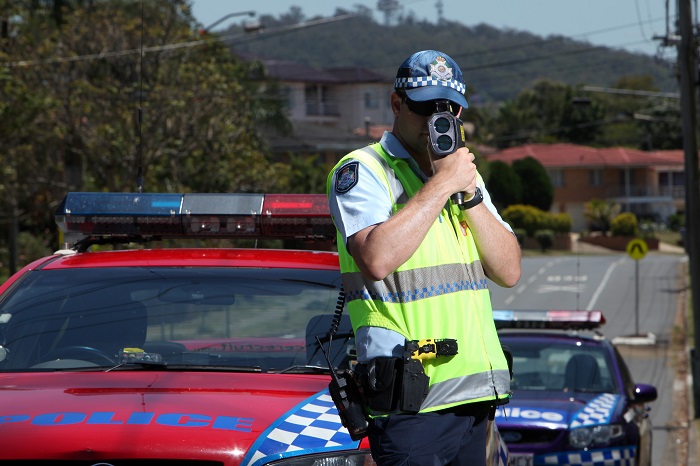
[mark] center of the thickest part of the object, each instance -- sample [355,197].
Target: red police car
[179,355]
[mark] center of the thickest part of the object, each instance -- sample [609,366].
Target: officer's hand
[457,171]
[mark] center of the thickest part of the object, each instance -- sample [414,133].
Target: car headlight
[329,459]
[582,437]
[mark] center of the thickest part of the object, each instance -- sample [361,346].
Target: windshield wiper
[182,367]
[302,369]
[140,364]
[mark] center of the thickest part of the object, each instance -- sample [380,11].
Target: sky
[625,24]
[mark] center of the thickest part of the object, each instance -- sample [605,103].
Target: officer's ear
[396,101]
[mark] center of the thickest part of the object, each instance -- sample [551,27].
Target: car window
[542,365]
[259,319]
[627,380]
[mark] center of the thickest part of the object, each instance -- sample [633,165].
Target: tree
[537,189]
[75,90]
[647,122]
[549,112]
[504,185]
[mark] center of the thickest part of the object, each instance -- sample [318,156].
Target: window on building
[286,97]
[319,100]
[557,177]
[595,177]
[371,100]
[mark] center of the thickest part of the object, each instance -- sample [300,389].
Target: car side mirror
[644,393]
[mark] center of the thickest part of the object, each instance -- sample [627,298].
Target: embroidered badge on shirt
[440,69]
[347,177]
[465,227]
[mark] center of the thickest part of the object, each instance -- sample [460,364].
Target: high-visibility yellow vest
[440,292]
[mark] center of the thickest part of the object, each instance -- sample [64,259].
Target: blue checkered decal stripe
[623,456]
[311,426]
[502,452]
[598,411]
[421,81]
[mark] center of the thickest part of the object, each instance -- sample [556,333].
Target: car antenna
[139,114]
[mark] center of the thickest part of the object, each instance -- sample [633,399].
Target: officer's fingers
[465,152]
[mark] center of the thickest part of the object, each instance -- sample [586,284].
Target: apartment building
[333,110]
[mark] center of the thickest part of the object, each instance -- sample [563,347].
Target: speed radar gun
[446,133]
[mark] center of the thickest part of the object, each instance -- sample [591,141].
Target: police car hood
[102,415]
[556,410]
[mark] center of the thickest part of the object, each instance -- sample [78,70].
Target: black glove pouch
[391,385]
[379,383]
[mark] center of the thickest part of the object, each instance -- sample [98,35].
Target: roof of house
[286,70]
[572,155]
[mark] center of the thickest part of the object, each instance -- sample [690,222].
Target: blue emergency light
[548,319]
[224,215]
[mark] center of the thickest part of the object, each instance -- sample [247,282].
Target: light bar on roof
[548,319]
[199,215]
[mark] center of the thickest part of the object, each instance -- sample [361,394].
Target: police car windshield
[555,366]
[255,319]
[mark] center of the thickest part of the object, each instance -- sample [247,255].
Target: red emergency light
[195,215]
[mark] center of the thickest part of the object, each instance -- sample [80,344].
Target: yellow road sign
[637,248]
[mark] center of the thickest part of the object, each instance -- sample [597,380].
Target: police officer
[414,267]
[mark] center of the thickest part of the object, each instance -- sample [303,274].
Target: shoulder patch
[346,177]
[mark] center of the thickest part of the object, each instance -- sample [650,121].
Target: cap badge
[440,69]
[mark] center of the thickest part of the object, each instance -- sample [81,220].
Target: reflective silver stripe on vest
[470,387]
[411,285]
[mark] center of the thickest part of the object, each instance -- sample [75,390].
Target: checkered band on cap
[422,81]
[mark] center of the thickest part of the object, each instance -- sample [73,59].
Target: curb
[636,340]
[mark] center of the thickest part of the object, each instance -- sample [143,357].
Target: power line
[175,46]
[608,90]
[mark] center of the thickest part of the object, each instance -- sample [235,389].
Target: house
[648,184]
[333,111]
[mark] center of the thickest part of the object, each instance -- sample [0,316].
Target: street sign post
[637,249]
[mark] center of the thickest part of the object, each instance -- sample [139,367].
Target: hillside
[497,64]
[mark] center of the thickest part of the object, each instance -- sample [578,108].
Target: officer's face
[410,128]
[411,125]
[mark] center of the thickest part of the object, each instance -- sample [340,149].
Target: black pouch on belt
[381,379]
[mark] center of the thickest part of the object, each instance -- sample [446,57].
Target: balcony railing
[322,109]
[674,192]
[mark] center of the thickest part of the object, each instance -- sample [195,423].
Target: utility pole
[687,65]
[389,7]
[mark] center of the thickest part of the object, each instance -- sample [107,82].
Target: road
[640,315]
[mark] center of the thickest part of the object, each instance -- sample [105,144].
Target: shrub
[524,216]
[676,221]
[599,213]
[559,223]
[545,238]
[520,234]
[624,224]
[530,219]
